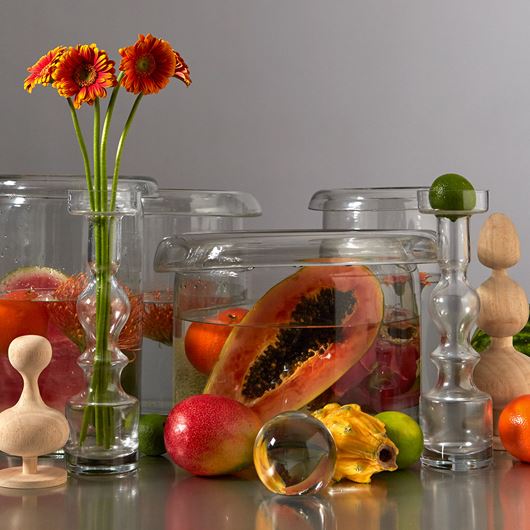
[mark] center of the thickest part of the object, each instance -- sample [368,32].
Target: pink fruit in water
[211,435]
[33,278]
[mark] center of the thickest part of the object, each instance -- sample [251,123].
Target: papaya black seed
[312,330]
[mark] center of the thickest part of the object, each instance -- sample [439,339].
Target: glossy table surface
[160,496]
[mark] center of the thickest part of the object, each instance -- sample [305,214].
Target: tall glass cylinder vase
[103,418]
[167,374]
[390,208]
[456,417]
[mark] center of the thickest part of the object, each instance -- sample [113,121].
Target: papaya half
[299,338]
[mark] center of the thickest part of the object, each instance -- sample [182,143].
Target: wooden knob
[502,372]
[31,428]
[498,243]
[30,354]
[503,306]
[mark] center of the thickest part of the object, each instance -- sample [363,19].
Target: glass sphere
[294,454]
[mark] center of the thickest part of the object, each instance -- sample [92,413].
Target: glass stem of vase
[456,416]
[104,255]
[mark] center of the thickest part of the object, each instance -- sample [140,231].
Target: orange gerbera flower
[84,73]
[149,64]
[41,72]
[182,71]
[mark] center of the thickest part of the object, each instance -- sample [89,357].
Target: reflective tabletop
[161,496]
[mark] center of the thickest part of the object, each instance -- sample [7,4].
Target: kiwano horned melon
[299,338]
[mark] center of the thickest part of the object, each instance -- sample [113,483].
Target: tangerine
[514,427]
[204,341]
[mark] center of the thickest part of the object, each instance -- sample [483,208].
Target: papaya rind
[319,372]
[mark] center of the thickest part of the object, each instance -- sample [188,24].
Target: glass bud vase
[103,418]
[456,417]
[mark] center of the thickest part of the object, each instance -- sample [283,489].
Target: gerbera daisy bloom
[41,72]
[84,73]
[147,65]
[182,71]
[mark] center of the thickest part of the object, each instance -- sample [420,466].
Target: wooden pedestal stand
[502,372]
[31,428]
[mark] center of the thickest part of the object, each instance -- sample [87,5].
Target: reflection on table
[161,496]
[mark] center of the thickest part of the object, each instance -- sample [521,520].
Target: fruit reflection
[218,503]
[515,512]
[295,513]
[359,505]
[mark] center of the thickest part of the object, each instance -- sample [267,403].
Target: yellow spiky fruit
[363,447]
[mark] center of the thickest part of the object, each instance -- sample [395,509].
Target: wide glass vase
[103,418]
[295,320]
[42,272]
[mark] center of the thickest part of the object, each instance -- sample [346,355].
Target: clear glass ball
[294,454]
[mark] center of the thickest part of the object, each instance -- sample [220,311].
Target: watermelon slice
[33,278]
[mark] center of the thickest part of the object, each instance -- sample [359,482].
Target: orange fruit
[514,427]
[204,341]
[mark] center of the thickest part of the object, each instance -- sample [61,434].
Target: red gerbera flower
[84,72]
[149,64]
[41,72]
[182,71]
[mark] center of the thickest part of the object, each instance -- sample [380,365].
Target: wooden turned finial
[502,372]
[31,428]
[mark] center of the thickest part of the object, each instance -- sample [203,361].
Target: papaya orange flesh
[299,338]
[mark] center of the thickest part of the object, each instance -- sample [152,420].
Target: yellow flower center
[85,75]
[145,64]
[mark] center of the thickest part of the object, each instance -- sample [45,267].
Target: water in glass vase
[383,377]
[387,375]
[457,432]
[30,312]
[42,312]
[116,454]
[157,352]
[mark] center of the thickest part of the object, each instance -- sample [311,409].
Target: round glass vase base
[457,462]
[79,465]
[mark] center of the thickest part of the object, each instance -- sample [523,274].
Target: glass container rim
[208,203]
[192,252]
[481,198]
[56,186]
[127,203]
[381,198]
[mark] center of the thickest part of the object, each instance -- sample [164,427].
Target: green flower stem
[84,153]
[106,125]
[100,415]
[119,149]
[100,203]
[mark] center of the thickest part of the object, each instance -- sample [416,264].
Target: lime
[405,433]
[452,192]
[151,434]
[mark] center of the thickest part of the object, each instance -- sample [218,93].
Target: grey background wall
[291,96]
